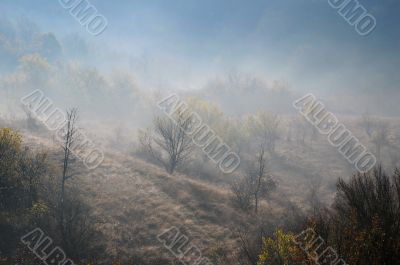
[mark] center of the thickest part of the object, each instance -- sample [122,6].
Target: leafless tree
[168,142]
[250,245]
[75,227]
[254,184]
[261,163]
[261,184]
[242,195]
[69,134]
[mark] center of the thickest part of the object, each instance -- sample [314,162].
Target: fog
[227,122]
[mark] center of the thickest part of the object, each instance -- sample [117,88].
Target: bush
[363,225]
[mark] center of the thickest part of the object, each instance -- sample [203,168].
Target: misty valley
[199,132]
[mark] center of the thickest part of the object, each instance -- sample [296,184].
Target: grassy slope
[135,200]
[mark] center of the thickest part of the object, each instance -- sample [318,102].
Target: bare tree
[242,195]
[168,142]
[74,224]
[254,184]
[261,162]
[69,135]
[250,243]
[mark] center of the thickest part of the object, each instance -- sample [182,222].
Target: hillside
[134,201]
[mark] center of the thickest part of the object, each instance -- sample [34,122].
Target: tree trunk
[256,206]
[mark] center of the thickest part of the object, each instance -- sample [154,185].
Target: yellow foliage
[34,71]
[212,116]
[33,62]
[364,240]
[9,139]
[10,148]
[39,209]
[210,113]
[280,250]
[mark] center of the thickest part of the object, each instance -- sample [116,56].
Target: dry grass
[134,201]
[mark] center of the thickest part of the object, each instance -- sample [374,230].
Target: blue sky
[304,43]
